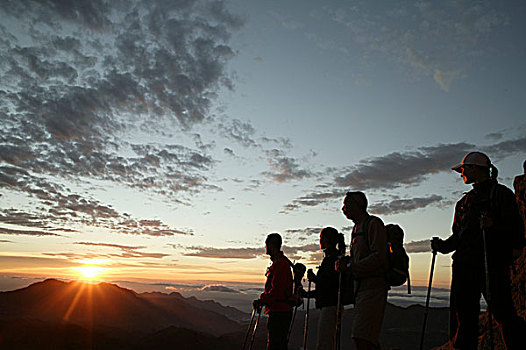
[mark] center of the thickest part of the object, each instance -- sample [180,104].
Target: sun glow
[90,271]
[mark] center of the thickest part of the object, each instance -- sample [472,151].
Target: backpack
[397,258]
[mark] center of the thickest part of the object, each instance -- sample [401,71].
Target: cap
[473,158]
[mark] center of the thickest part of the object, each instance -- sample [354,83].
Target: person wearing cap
[278,289]
[489,207]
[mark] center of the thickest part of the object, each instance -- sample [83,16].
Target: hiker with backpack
[487,235]
[368,265]
[332,244]
[277,294]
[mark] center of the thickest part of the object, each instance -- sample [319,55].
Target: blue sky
[164,140]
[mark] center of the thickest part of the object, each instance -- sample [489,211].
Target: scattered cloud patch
[127,251]
[219,288]
[81,84]
[225,253]
[423,246]
[293,252]
[284,169]
[402,169]
[303,234]
[403,205]
[6,231]
[444,79]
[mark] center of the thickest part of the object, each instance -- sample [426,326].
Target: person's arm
[450,244]
[281,283]
[375,263]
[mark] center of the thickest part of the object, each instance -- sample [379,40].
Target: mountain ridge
[105,305]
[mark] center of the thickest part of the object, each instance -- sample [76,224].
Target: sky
[161,141]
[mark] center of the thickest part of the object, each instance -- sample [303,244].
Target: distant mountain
[95,306]
[71,315]
[174,298]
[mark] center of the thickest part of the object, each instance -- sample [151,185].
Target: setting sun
[90,271]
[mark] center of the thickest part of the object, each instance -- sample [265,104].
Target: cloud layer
[87,88]
[401,170]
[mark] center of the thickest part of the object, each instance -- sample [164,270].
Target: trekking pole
[298,271]
[305,330]
[292,322]
[488,290]
[426,310]
[338,314]
[255,328]
[249,326]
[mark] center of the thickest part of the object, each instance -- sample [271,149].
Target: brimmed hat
[473,158]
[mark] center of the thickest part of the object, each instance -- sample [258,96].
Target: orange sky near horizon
[218,271]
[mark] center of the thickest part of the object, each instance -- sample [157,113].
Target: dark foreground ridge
[70,315]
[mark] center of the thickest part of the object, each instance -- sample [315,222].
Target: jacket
[279,286]
[506,233]
[327,281]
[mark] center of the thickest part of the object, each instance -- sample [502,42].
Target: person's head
[354,205]
[273,244]
[476,167]
[330,238]
[524,166]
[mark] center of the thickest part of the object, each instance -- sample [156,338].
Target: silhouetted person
[519,185]
[332,244]
[368,265]
[491,207]
[278,289]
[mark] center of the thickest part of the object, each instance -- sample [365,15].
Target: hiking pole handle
[430,279]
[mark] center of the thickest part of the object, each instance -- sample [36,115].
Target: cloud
[303,234]
[296,250]
[403,205]
[504,149]
[293,252]
[6,231]
[283,169]
[65,210]
[86,87]
[218,288]
[444,79]
[239,131]
[22,262]
[128,251]
[225,253]
[402,169]
[398,169]
[423,246]
[426,39]
[313,199]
